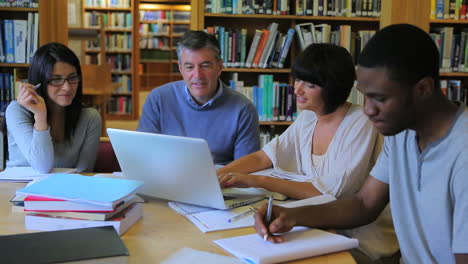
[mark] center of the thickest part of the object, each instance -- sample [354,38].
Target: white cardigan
[348,161]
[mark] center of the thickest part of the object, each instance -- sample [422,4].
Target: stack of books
[69,201]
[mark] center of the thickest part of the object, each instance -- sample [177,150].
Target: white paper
[300,243]
[26,174]
[188,255]
[321,199]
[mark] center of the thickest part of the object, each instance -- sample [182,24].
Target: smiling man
[202,106]
[422,169]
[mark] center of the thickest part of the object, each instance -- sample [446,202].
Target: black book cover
[62,246]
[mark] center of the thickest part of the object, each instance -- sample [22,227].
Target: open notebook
[300,243]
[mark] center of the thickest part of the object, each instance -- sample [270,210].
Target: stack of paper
[64,201]
[26,174]
[300,243]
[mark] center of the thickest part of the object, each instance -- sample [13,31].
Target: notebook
[300,243]
[174,168]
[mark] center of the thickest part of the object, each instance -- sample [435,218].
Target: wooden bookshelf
[47,12]
[159,31]
[115,45]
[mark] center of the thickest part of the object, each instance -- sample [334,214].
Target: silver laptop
[173,168]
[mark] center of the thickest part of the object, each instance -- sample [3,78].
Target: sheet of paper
[188,255]
[300,243]
[26,174]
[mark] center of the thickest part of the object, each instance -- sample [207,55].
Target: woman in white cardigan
[327,150]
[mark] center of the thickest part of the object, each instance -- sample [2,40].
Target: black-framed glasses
[60,81]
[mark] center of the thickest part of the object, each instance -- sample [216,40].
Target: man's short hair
[197,39]
[330,67]
[407,52]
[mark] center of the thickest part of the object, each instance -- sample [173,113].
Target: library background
[127,47]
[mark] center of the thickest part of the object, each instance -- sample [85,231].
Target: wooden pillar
[197,17]
[53,24]
[415,12]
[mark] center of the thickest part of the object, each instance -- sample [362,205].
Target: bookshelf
[29,11]
[160,26]
[203,18]
[115,21]
[449,29]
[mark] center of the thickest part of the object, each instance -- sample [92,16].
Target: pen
[268,215]
[37,86]
[242,215]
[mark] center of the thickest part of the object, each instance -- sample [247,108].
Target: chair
[106,161]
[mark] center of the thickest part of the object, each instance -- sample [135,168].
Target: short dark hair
[330,67]
[197,39]
[407,52]
[40,70]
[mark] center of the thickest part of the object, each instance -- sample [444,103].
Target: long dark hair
[40,71]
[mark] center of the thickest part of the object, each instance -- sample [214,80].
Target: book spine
[9,41]
[285,50]
[253,48]
[260,48]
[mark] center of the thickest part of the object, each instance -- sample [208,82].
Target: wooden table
[160,233]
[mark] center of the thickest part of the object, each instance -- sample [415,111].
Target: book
[285,49]
[8,31]
[300,243]
[253,48]
[121,222]
[85,245]
[90,215]
[209,219]
[20,34]
[260,48]
[86,189]
[50,205]
[305,34]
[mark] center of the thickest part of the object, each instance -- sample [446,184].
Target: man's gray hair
[197,39]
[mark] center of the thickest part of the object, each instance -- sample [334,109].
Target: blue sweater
[229,123]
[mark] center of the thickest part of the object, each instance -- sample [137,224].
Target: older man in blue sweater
[202,106]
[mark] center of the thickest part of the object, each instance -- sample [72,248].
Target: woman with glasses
[47,125]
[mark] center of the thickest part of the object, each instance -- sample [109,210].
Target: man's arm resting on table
[358,210]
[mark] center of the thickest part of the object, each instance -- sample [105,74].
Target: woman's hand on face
[29,99]
[238,180]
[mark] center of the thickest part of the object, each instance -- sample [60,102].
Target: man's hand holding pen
[282,220]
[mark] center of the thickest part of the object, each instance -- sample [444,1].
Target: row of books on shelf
[119,62]
[453,49]
[66,201]
[155,54]
[335,8]
[19,39]
[118,20]
[354,42]
[269,47]
[164,15]
[449,9]
[154,28]
[107,3]
[20,3]
[119,105]
[454,90]
[8,88]
[118,41]
[273,100]
[154,42]
[124,81]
